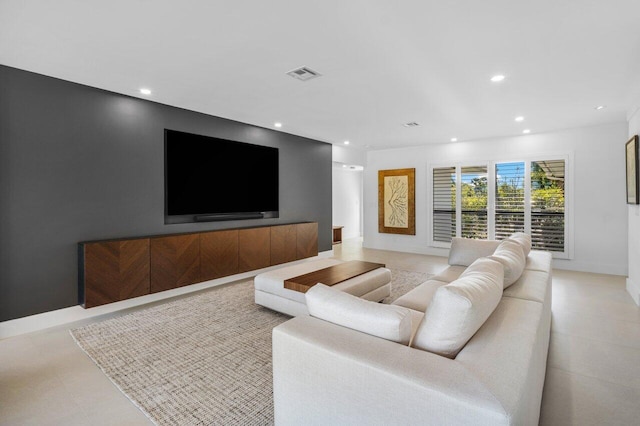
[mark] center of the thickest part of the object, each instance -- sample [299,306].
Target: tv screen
[208,179]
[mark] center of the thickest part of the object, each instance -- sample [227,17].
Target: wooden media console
[114,270]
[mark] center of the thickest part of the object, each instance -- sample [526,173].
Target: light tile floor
[593,371]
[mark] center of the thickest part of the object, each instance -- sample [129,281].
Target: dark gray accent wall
[79,163]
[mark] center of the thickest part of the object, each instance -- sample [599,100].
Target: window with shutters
[444,204]
[497,199]
[547,205]
[509,211]
[473,195]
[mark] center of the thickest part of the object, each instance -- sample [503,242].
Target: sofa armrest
[327,374]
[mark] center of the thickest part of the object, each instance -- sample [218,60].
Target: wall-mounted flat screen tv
[211,179]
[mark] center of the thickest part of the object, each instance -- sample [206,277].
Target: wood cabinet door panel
[254,248]
[134,268]
[175,261]
[307,240]
[101,273]
[283,244]
[218,254]
[115,270]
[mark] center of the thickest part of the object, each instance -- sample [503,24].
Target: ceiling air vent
[411,124]
[304,73]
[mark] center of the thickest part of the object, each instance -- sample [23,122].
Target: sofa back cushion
[464,251]
[419,298]
[386,321]
[459,308]
[510,254]
[524,240]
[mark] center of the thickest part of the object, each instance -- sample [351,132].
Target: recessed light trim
[145,91]
[346,142]
[526,131]
[497,78]
[600,107]
[519,118]
[454,139]
[277,124]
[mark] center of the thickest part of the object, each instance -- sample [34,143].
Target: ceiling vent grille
[304,73]
[411,124]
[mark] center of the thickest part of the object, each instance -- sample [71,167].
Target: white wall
[597,209]
[347,201]
[633,280]
[349,155]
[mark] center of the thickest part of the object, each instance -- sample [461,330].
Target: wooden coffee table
[331,275]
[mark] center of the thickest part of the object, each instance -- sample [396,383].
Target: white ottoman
[270,292]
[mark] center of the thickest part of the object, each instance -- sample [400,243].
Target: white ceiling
[383,63]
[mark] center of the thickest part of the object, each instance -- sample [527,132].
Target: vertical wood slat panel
[115,270]
[218,254]
[175,261]
[283,244]
[254,248]
[307,240]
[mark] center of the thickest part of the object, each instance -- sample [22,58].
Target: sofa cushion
[464,251]
[450,273]
[538,261]
[510,254]
[460,308]
[419,298]
[524,240]
[365,283]
[386,321]
[532,285]
[416,320]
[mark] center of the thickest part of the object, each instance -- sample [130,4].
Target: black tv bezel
[213,217]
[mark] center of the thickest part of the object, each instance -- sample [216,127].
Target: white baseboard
[76,313]
[634,290]
[596,268]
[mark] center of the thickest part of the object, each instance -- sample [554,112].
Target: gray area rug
[199,360]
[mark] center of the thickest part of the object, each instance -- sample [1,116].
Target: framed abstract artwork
[396,201]
[632,171]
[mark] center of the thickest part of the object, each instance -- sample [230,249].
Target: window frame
[491,196]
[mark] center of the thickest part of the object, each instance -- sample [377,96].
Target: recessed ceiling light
[599,107]
[454,139]
[145,91]
[344,165]
[519,118]
[346,142]
[497,78]
[525,131]
[278,125]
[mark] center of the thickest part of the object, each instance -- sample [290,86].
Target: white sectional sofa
[330,374]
